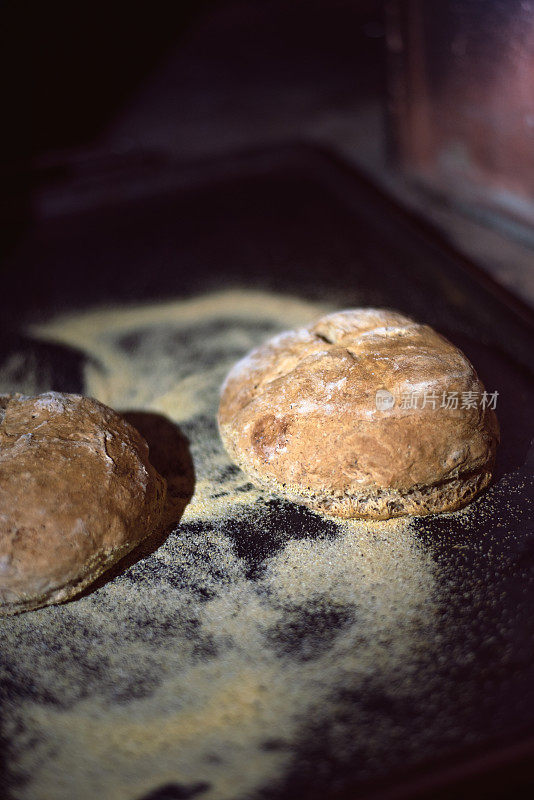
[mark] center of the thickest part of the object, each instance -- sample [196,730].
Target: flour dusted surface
[261,650]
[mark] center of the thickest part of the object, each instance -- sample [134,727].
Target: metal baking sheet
[255,649]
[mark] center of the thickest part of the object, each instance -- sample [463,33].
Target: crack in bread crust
[297,415]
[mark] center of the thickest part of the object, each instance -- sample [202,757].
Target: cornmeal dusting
[261,649]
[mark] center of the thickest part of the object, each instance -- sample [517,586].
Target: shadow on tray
[170,455]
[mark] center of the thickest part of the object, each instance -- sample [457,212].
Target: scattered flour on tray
[212,662]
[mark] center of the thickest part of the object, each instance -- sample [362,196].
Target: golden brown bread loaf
[322,416]
[77,492]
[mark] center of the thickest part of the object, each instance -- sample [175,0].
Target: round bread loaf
[77,492]
[326,416]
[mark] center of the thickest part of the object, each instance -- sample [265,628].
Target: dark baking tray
[296,220]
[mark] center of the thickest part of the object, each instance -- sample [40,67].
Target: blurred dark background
[146,77]
[431,101]
[93,89]
[103,102]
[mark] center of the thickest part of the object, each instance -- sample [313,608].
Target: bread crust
[77,492]
[299,415]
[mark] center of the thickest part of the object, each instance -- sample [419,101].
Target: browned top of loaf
[301,407]
[75,484]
